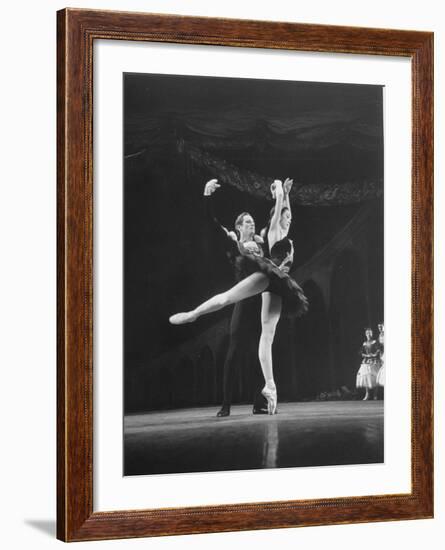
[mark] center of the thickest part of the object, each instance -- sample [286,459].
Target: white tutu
[381,376]
[367,375]
[381,373]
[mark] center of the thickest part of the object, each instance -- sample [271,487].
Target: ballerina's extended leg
[250,286]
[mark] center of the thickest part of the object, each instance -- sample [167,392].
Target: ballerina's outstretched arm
[273,234]
[287,186]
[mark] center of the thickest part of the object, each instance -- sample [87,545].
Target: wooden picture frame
[77,31]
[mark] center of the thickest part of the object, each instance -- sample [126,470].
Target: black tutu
[295,302]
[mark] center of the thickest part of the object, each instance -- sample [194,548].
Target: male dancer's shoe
[224,411]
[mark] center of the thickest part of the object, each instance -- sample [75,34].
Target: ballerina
[278,246]
[367,373]
[381,374]
[268,275]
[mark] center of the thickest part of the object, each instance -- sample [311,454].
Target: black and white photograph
[253,288]
[221,220]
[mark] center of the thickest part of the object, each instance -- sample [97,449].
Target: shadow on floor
[47,526]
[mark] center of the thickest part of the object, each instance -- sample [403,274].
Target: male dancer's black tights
[244,335]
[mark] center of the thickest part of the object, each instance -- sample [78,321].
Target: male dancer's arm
[226,238]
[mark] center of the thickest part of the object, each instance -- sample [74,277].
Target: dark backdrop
[180,131]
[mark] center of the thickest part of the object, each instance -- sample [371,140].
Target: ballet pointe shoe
[224,411]
[182,318]
[271,396]
[257,410]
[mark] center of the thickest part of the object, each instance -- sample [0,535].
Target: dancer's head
[245,226]
[368,333]
[380,327]
[285,218]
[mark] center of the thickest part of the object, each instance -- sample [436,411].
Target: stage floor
[301,434]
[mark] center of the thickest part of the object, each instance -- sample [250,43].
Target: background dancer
[381,373]
[367,373]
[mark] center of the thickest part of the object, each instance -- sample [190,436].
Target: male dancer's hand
[210,187]
[284,266]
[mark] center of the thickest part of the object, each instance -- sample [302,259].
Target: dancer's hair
[239,221]
[272,212]
[265,230]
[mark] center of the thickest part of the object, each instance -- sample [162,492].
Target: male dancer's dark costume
[245,323]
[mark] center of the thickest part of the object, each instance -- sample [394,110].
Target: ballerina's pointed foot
[271,396]
[182,318]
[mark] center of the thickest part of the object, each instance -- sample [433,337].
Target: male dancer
[245,325]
